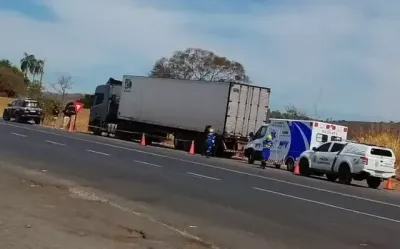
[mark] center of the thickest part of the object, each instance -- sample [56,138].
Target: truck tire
[345,174]
[290,165]
[251,157]
[374,182]
[331,177]
[37,121]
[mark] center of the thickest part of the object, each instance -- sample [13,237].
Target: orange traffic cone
[389,184]
[296,169]
[191,151]
[143,141]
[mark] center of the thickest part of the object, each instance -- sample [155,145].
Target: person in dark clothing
[69,112]
[55,113]
[206,132]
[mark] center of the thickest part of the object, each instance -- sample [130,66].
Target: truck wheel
[37,121]
[290,165]
[304,167]
[373,182]
[251,158]
[18,118]
[345,174]
[331,177]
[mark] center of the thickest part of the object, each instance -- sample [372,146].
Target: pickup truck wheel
[373,182]
[331,177]
[304,167]
[6,117]
[345,174]
[251,158]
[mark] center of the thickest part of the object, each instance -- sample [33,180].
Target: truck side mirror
[314,148]
[9,105]
[251,135]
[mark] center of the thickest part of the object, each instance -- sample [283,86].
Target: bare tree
[64,83]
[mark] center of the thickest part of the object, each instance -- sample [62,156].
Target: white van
[290,138]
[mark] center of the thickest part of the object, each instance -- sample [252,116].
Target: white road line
[327,205]
[210,166]
[98,152]
[55,143]
[149,164]
[18,135]
[203,176]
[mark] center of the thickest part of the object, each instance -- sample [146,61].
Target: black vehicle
[23,110]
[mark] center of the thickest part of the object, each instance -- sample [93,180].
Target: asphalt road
[228,203]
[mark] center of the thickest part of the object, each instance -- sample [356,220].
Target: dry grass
[81,123]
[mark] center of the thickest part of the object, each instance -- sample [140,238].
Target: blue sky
[331,58]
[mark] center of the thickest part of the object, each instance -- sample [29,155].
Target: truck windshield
[98,98]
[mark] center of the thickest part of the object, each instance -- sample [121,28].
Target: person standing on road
[55,113]
[206,132]
[210,142]
[69,112]
[267,144]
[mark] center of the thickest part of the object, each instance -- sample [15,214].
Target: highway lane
[284,215]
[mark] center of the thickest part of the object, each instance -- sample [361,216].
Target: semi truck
[159,107]
[290,138]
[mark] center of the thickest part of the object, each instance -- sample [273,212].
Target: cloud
[340,56]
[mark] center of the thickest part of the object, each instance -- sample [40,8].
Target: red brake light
[345,129]
[333,127]
[327,126]
[364,160]
[316,124]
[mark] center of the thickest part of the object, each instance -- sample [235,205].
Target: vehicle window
[261,132]
[324,147]
[14,103]
[381,152]
[337,147]
[336,139]
[98,98]
[30,104]
[322,138]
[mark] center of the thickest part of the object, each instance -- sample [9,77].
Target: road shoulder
[40,211]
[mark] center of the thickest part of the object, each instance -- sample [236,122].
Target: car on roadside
[23,110]
[349,161]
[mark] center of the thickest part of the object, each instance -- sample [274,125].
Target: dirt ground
[38,210]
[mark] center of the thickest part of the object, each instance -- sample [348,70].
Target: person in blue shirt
[210,141]
[267,144]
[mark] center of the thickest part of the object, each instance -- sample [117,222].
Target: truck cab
[105,105]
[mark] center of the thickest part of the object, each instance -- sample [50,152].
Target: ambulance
[290,138]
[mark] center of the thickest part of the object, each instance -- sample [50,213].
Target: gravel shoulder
[38,210]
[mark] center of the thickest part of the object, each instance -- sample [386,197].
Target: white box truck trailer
[290,138]
[159,107]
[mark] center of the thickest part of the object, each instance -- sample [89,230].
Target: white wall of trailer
[247,109]
[182,104]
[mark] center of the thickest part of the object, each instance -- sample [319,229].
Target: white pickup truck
[349,161]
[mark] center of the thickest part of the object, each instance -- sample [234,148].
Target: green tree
[199,64]
[39,69]
[35,90]
[87,100]
[28,64]
[291,112]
